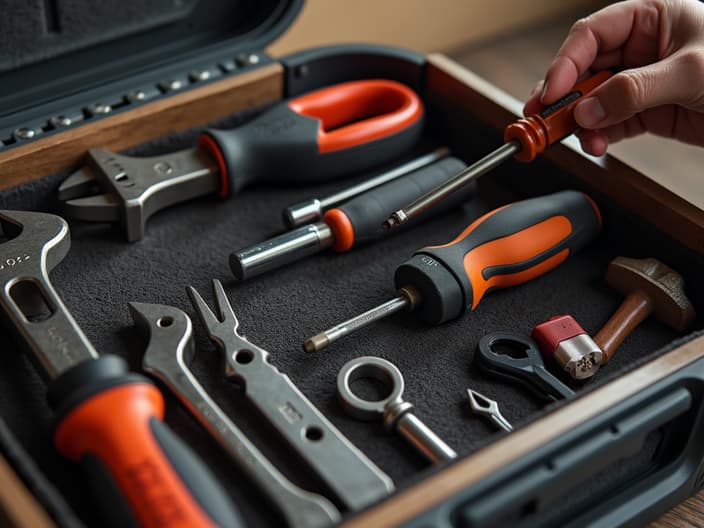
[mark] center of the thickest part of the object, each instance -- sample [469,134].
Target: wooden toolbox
[628,447]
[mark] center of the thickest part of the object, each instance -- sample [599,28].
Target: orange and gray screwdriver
[356,222]
[524,140]
[506,247]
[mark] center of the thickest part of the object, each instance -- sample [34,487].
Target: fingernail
[536,89]
[589,112]
[545,90]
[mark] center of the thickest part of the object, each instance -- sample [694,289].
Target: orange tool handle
[537,132]
[111,422]
[505,247]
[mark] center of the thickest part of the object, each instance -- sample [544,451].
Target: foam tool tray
[626,449]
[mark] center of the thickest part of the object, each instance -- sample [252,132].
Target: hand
[659,44]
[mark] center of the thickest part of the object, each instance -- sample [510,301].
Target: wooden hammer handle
[636,307]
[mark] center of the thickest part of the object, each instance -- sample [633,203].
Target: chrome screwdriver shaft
[406,300]
[465,177]
[312,210]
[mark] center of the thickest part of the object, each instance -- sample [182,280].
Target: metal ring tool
[396,413]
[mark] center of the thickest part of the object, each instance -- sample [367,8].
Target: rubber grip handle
[114,424]
[320,136]
[537,132]
[505,247]
[360,219]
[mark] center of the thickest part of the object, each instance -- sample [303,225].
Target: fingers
[601,35]
[594,142]
[636,90]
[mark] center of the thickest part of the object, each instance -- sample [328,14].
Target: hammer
[650,288]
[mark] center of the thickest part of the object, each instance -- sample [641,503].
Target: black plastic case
[639,453]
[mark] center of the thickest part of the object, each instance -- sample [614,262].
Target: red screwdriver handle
[537,132]
[319,136]
[112,424]
[505,247]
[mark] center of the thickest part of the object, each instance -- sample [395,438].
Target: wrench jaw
[117,188]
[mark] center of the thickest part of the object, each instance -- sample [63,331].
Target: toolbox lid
[80,59]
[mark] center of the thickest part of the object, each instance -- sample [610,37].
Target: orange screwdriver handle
[537,132]
[505,247]
[111,422]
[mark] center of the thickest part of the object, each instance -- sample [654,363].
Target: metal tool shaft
[424,439]
[312,210]
[323,339]
[166,358]
[278,251]
[465,177]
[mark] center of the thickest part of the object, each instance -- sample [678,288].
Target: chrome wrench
[170,349]
[350,475]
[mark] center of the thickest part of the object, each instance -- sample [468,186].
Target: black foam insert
[35,30]
[189,244]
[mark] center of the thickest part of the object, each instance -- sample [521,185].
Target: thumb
[631,91]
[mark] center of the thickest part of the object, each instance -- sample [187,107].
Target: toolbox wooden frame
[479,488]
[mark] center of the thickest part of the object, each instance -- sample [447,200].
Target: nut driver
[169,352]
[526,369]
[505,247]
[524,140]
[109,420]
[345,470]
[349,225]
[316,137]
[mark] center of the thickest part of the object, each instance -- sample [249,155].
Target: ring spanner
[109,420]
[170,349]
[349,474]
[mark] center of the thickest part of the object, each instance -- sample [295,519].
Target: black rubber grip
[281,146]
[508,246]
[368,211]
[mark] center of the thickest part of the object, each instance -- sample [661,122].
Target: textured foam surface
[189,244]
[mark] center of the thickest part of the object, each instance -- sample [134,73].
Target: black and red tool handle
[507,246]
[110,421]
[319,136]
[359,220]
[537,132]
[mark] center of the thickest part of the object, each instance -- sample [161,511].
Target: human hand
[660,46]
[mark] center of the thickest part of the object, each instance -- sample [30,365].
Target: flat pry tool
[313,138]
[354,479]
[169,352]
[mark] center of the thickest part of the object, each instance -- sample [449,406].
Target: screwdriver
[524,139]
[506,247]
[356,222]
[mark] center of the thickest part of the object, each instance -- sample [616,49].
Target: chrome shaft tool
[316,137]
[349,474]
[524,140]
[169,352]
[396,413]
[352,224]
[505,247]
[484,406]
[109,420]
[312,210]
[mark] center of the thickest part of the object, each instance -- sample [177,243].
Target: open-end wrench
[168,354]
[318,136]
[109,420]
[349,474]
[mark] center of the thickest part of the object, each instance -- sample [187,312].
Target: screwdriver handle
[111,422]
[319,136]
[359,220]
[537,132]
[507,246]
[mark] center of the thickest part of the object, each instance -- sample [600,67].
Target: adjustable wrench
[316,137]
[107,419]
[168,353]
[350,475]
